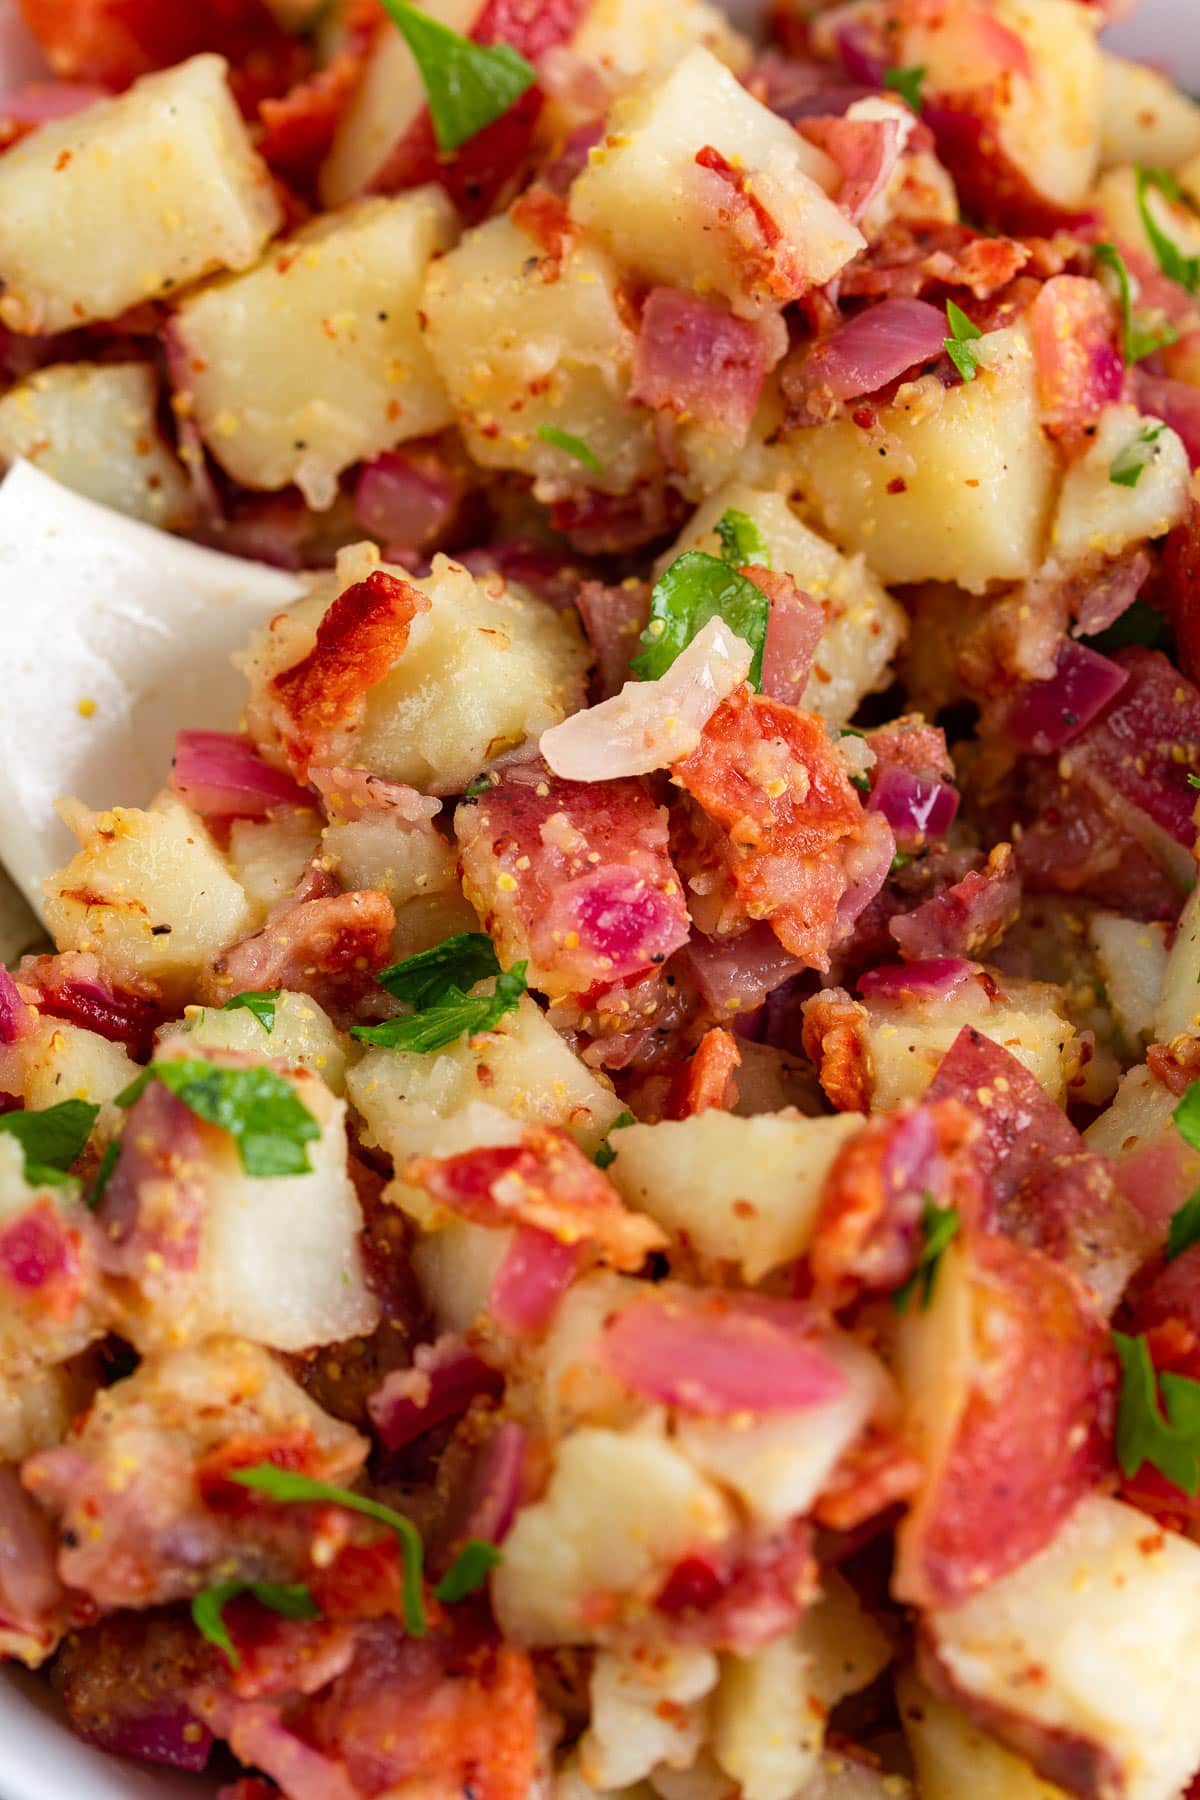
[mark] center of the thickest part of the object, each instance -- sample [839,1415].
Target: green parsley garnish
[292,1600]
[467,85]
[901,859]
[696,588]
[606,1156]
[1170,1443]
[1126,467]
[1142,338]
[51,1139]
[1187,1113]
[1184,1229]
[469,1571]
[741,540]
[258,1108]
[292,1489]
[262,1005]
[959,345]
[1194,781]
[479,784]
[108,1163]
[907,83]
[940,1225]
[1169,257]
[571,446]
[458,962]
[452,1016]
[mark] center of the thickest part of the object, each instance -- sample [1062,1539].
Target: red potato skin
[115,41]
[1025,1450]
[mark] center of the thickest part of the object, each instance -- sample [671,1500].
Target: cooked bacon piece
[451,1713]
[575,878]
[298,127]
[257,1735]
[912,261]
[876,1473]
[545,1181]
[909,743]
[1032,1431]
[1181,589]
[329,948]
[795,626]
[1045,1188]
[71,986]
[124,1684]
[114,41]
[708,1078]
[1102,591]
[775,830]
[835,1039]
[1143,745]
[867,1234]
[613,618]
[1073,323]
[155,1201]
[770,266]
[740,1595]
[319,700]
[694,358]
[599,524]
[967,918]
[735,975]
[865,150]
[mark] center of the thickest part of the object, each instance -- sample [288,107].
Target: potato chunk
[1145,118]
[524,341]
[315,360]
[301,1035]
[129,200]
[94,427]
[953,485]
[149,892]
[865,625]
[1098,516]
[670,219]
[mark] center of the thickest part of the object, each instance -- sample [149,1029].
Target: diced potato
[1098,516]
[768,1727]
[866,626]
[620,1509]
[703,1781]
[413,865]
[37,1408]
[570,1385]
[906,1043]
[846,1647]
[934,1360]
[35,1335]
[1145,118]
[955,484]
[522,1067]
[149,892]
[315,359]
[1140,1114]
[777,1466]
[523,343]
[625,38]
[269,856]
[129,200]
[733,1191]
[64,1062]
[302,1036]
[456,1267]
[94,427]
[1109,1615]
[1133,960]
[1116,197]
[645,1710]
[483,671]
[644,196]
[1178,1008]
[953,1757]
[387,101]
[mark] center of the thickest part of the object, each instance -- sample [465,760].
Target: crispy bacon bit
[707,1080]
[573,877]
[1033,1433]
[774,827]
[694,358]
[156,1199]
[743,1594]
[544,1181]
[1079,368]
[124,1683]
[613,618]
[543,216]
[329,948]
[114,41]
[298,128]
[835,1039]
[71,986]
[1045,1188]
[769,263]
[875,1474]
[967,918]
[319,700]
[908,261]
[868,1230]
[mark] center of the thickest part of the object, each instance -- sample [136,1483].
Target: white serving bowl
[39,1758]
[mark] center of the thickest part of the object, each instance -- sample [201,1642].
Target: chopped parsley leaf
[940,1225]
[1169,1441]
[1169,257]
[1142,337]
[960,344]
[571,446]
[741,540]
[51,1138]
[292,1600]
[1126,467]
[262,1005]
[606,1156]
[259,1109]
[907,82]
[469,1571]
[457,962]
[696,588]
[453,1016]
[467,85]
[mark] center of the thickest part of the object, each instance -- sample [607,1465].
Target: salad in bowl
[600,1095]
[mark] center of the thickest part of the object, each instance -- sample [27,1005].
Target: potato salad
[601,1201]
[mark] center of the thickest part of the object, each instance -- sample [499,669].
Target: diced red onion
[936,979]
[402,499]
[736,974]
[171,1736]
[1113,591]
[1176,403]
[42,101]
[219,774]
[695,358]
[443,1381]
[715,1358]
[14,1014]
[560,172]
[535,1274]
[857,55]
[866,150]
[799,90]
[917,807]
[875,348]
[1048,714]
[497,1485]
